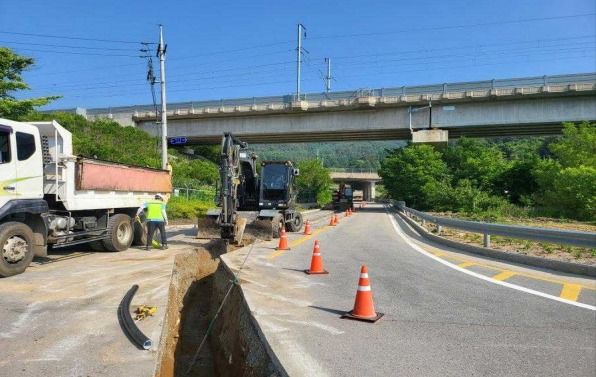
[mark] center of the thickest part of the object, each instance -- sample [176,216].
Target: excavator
[260,205]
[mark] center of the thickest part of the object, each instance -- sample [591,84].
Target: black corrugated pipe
[128,325]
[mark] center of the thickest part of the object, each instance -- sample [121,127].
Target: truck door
[8,169]
[29,165]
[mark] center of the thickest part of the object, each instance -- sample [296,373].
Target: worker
[157,218]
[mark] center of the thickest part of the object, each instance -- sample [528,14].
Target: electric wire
[71,37]
[448,27]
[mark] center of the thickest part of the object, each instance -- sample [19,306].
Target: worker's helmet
[159,196]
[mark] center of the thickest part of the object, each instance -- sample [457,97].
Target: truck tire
[120,233]
[16,248]
[295,224]
[140,232]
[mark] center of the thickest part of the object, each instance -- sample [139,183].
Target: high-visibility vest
[154,210]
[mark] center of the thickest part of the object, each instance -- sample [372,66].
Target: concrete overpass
[511,107]
[364,180]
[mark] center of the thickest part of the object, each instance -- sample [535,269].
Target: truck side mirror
[296,172]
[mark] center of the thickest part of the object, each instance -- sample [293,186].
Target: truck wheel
[16,248]
[120,233]
[140,232]
[296,224]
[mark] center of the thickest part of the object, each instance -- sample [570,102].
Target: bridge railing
[557,236]
[353,170]
[531,84]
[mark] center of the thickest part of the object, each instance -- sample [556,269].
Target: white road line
[480,276]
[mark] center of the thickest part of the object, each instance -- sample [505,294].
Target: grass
[182,208]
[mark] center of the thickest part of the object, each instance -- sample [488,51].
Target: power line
[211,53]
[79,53]
[317,79]
[71,37]
[188,77]
[474,46]
[67,46]
[475,54]
[463,26]
[550,58]
[538,50]
[37,71]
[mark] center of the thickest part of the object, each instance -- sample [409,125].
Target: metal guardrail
[557,236]
[503,84]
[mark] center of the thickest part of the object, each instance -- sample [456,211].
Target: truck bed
[109,176]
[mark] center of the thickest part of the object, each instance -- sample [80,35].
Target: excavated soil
[234,346]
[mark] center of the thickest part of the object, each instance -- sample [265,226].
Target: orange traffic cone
[316,263]
[307,230]
[347,213]
[283,241]
[332,222]
[364,309]
[337,219]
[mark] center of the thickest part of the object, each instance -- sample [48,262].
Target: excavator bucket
[261,229]
[208,227]
[239,229]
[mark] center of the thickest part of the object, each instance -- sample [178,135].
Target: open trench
[234,346]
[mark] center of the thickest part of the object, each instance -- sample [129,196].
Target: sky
[88,51]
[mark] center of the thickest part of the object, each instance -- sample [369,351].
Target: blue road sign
[178,140]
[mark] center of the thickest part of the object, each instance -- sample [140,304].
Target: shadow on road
[329,310]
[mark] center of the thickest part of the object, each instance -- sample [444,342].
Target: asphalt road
[439,321]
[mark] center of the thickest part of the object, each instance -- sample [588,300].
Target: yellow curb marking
[504,275]
[466,264]
[524,274]
[299,241]
[571,291]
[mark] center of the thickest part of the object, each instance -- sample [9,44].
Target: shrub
[181,208]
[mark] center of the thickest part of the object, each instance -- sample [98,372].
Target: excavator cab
[277,179]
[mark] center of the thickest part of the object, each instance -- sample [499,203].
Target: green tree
[105,139]
[478,162]
[11,68]
[407,170]
[315,178]
[577,146]
[567,183]
[193,173]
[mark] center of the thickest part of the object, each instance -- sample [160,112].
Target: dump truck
[343,198]
[51,197]
[261,205]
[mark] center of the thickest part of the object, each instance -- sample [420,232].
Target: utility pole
[299,52]
[328,77]
[161,53]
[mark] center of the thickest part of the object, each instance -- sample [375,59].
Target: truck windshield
[275,177]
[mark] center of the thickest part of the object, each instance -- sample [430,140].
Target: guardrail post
[439,229]
[486,240]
